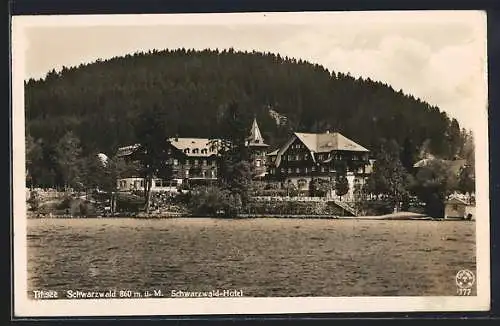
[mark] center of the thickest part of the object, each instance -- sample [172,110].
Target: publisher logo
[465,279]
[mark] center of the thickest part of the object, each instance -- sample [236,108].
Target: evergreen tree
[467,176]
[33,156]
[341,182]
[408,154]
[341,186]
[433,184]
[389,177]
[69,161]
[94,174]
[234,168]
[467,180]
[152,152]
[455,139]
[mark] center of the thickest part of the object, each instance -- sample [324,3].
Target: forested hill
[100,101]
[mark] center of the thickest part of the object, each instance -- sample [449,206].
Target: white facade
[302,184]
[130,184]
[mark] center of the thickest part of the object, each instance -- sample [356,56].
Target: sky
[439,57]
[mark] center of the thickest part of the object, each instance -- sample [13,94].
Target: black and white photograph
[250,163]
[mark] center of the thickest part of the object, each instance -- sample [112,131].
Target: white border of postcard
[24,307]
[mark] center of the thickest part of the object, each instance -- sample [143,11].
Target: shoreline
[387,217]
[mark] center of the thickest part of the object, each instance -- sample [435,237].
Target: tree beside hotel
[152,152]
[389,177]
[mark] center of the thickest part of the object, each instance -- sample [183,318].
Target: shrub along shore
[204,202]
[207,202]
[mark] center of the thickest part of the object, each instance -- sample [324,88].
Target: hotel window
[282,170]
[204,162]
[187,161]
[289,170]
[297,170]
[257,163]
[195,162]
[213,163]
[297,157]
[306,170]
[313,169]
[290,157]
[176,162]
[322,169]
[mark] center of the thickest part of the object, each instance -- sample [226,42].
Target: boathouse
[456,208]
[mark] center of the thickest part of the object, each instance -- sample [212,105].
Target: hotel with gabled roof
[306,156]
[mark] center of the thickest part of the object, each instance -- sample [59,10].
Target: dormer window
[204,151]
[186,151]
[195,151]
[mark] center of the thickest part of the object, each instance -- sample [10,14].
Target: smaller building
[137,183]
[456,208]
[454,166]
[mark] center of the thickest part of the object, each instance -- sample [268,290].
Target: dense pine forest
[99,103]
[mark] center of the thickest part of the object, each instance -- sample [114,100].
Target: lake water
[261,257]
